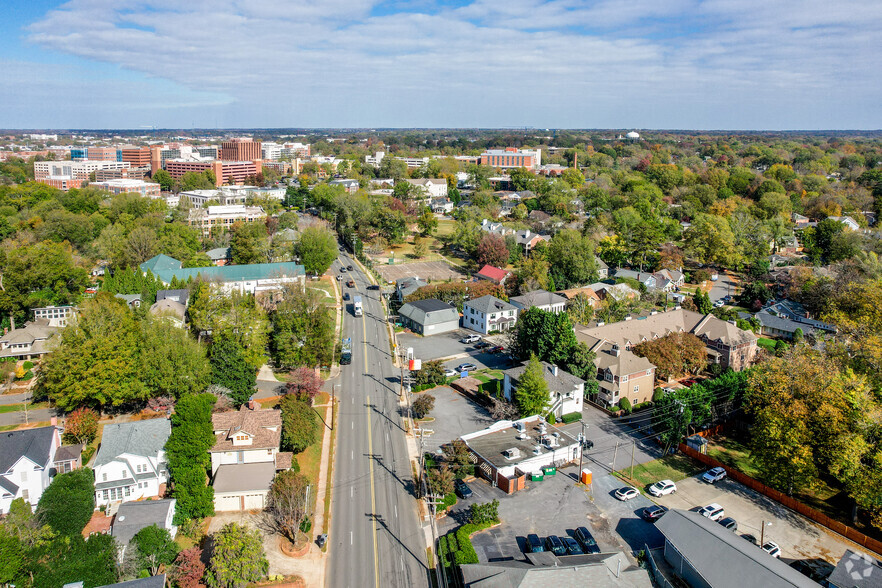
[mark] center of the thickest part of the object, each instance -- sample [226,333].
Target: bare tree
[502,410]
[287,503]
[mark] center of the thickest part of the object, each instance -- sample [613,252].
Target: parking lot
[425,270]
[797,537]
[444,345]
[455,415]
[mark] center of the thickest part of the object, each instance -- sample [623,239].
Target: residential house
[789,246]
[541,299]
[32,341]
[495,228]
[441,205]
[782,319]
[645,278]
[507,451]
[540,217]
[704,554]
[350,186]
[251,278]
[131,517]
[57,316]
[565,390]
[219,256]
[68,458]
[614,291]
[429,187]
[602,268]
[591,295]
[528,240]
[169,310]
[726,344]
[622,374]
[799,221]
[181,295]
[130,464]
[429,317]
[669,280]
[493,274]
[847,221]
[26,464]
[607,570]
[215,218]
[488,314]
[404,287]
[245,456]
[133,300]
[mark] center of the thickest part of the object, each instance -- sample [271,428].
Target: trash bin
[549,470]
[536,477]
[321,540]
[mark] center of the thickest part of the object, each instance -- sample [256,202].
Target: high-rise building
[224,171]
[137,156]
[241,149]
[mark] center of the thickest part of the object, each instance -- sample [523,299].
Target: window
[636,389]
[104,494]
[125,473]
[24,476]
[128,491]
[104,477]
[269,451]
[25,494]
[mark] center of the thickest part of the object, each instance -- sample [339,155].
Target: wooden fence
[817,516]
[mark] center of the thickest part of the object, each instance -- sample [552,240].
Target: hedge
[571,417]
[442,551]
[460,543]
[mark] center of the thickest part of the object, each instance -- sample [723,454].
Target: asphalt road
[375,538]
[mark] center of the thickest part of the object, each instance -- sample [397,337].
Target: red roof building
[493,274]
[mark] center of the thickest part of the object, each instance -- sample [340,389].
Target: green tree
[67,503]
[423,405]
[531,395]
[187,448]
[492,250]
[234,315]
[12,555]
[299,424]
[302,330]
[427,222]
[710,240]
[164,179]
[155,548]
[91,561]
[174,364]
[545,334]
[391,224]
[317,249]
[702,301]
[198,260]
[230,369]
[237,557]
[571,257]
[248,243]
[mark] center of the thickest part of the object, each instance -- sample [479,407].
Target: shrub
[657,394]
[641,406]
[27,365]
[451,541]
[550,418]
[423,405]
[449,500]
[487,513]
[67,503]
[305,525]
[442,551]
[625,404]
[571,417]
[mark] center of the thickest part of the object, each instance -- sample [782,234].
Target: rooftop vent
[522,436]
[537,450]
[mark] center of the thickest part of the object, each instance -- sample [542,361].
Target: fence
[817,516]
[659,578]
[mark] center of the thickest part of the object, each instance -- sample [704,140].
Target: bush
[87,454]
[641,406]
[27,365]
[657,394]
[305,525]
[487,513]
[423,405]
[67,503]
[625,404]
[571,417]
[451,541]
[449,500]
[442,552]
[550,418]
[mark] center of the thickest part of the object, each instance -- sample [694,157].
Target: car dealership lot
[798,537]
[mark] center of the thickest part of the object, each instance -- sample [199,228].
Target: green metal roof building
[249,278]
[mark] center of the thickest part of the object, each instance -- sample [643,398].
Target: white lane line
[351,537]
[353,424]
[352,492]
[387,436]
[401,560]
[396,511]
[352,454]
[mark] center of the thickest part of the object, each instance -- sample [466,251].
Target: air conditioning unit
[537,450]
[519,426]
[522,436]
[512,453]
[543,429]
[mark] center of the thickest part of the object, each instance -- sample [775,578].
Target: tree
[500,410]
[91,561]
[187,448]
[571,257]
[317,249]
[304,384]
[391,224]
[702,301]
[230,370]
[81,426]
[710,240]
[302,330]
[423,405]
[237,557]
[164,179]
[674,354]
[173,363]
[188,569]
[427,222]
[580,308]
[234,315]
[532,396]
[155,548]
[492,250]
[440,480]
[545,334]
[299,424]
[67,503]
[248,243]
[431,374]
[198,260]
[287,506]
[483,514]
[420,247]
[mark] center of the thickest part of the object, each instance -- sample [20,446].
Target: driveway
[724,286]
[798,537]
[454,415]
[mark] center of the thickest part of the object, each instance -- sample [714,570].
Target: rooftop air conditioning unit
[522,436]
[537,450]
[512,453]
[543,429]
[519,426]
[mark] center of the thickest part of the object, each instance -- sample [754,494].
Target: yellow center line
[373,497]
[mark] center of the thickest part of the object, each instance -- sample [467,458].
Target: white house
[488,313]
[565,390]
[131,463]
[430,187]
[26,460]
[847,221]
[541,299]
[31,341]
[246,456]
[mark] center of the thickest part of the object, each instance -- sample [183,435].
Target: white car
[713,511]
[714,475]
[663,488]
[772,549]
[450,372]
[470,339]
[626,493]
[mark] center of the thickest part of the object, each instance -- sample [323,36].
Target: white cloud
[653,63]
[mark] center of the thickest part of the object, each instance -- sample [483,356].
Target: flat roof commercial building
[213,218]
[127,186]
[510,158]
[224,171]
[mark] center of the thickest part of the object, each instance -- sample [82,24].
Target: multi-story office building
[511,158]
[224,171]
[65,175]
[214,218]
[96,154]
[127,186]
[137,156]
[132,173]
[241,149]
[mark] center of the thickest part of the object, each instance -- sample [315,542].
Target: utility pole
[615,455]
[633,445]
[432,501]
[582,449]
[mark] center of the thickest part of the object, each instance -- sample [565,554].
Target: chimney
[53,421]
[527,233]
[554,370]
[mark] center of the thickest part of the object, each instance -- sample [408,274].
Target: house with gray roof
[150,582]
[32,341]
[219,255]
[429,317]
[601,570]
[130,464]
[541,299]
[705,554]
[565,390]
[26,464]
[181,295]
[133,300]
[404,287]
[488,313]
[131,517]
[170,310]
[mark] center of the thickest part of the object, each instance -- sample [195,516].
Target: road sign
[463,375]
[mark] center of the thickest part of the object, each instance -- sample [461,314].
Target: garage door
[225,503]
[253,501]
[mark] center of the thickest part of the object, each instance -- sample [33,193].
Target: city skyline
[681,64]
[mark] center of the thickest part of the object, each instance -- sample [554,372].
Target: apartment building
[95,154]
[65,175]
[213,218]
[127,186]
[223,170]
[510,158]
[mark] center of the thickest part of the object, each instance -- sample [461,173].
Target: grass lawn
[445,228]
[768,344]
[732,453]
[673,467]
[325,289]
[310,463]
[17,407]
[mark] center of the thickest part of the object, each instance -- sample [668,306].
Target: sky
[620,64]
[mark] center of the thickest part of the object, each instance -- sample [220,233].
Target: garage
[244,486]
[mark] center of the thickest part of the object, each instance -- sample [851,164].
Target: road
[375,538]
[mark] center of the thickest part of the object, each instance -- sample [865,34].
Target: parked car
[586,540]
[750,538]
[481,345]
[466,367]
[627,493]
[713,511]
[345,295]
[714,475]
[534,544]
[654,513]
[450,372]
[462,489]
[555,545]
[662,488]
[497,349]
[470,339]
[772,548]
[572,547]
[373,287]
[729,523]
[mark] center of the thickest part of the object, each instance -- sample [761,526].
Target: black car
[373,287]
[349,267]
[481,345]
[345,295]
[462,489]
[729,523]
[750,538]
[587,444]
[584,537]
[654,513]
[534,544]
[555,545]
[571,545]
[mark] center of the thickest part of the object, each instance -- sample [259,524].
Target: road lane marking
[352,492]
[351,537]
[364,334]
[352,454]
[373,495]
[396,511]
[353,424]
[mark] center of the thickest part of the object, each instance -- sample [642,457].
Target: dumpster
[549,470]
[586,476]
[536,477]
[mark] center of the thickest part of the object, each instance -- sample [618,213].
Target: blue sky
[661,64]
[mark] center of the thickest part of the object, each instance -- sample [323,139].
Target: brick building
[510,158]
